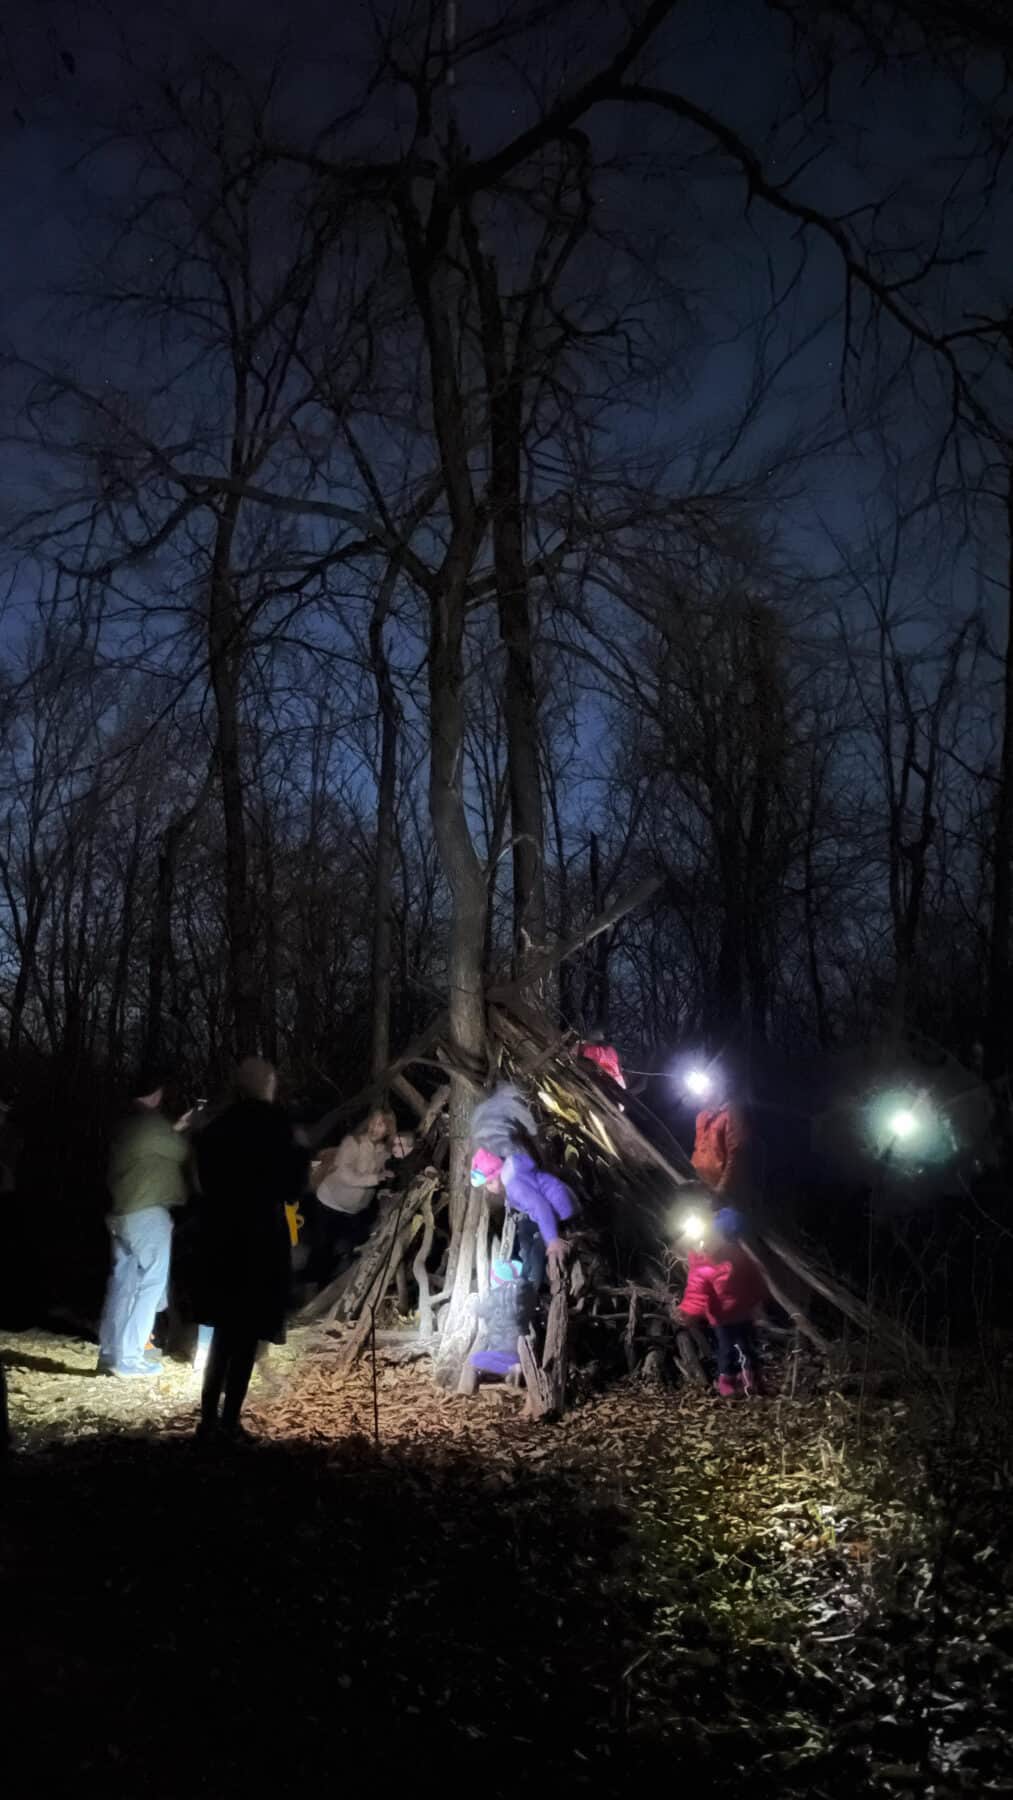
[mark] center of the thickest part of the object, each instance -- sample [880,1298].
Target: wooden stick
[799,1319]
[841,1297]
[375,1090]
[544,965]
[421,1273]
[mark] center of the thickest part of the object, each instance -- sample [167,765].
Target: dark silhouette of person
[249,1167]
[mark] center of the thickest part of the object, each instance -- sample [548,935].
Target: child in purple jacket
[504,1131]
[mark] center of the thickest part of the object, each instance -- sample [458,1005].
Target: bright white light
[693,1226]
[699,1083]
[903,1123]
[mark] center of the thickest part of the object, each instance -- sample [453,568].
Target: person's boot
[727,1387]
[233,1431]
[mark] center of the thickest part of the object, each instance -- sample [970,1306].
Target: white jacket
[354,1174]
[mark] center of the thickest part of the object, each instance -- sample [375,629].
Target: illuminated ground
[657,1588]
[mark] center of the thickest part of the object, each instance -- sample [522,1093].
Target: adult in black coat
[249,1167]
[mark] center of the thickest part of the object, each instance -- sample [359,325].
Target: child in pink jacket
[725,1289]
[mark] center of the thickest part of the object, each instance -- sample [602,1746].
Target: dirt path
[656,1587]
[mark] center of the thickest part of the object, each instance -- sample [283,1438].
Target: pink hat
[486,1166]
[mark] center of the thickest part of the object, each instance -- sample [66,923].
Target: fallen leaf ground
[776,1598]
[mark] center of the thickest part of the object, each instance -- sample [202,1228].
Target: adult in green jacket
[146,1181]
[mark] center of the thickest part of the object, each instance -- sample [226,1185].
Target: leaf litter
[787,1593]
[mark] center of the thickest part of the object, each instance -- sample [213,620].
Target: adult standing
[347,1180]
[147,1181]
[249,1167]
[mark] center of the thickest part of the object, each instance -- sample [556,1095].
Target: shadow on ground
[180,1622]
[45,1365]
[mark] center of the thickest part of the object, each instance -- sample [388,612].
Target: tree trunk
[997,1021]
[268,986]
[466,1002]
[505,391]
[809,908]
[115,1015]
[383,891]
[433,271]
[596,1001]
[225,660]
[160,951]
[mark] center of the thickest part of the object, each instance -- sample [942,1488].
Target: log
[628,1138]
[688,1358]
[410,1093]
[537,1402]
[546,1384]
[630,1335]
[865,1317]
[421,1273]
[344,1297]
[433,1110]
[357,1338]
[375,1090]
[799,1318]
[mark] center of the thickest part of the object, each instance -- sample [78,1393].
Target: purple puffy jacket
[540,1196]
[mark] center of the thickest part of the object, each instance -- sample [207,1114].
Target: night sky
[882,133]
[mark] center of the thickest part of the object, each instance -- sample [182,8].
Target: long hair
[378,1112]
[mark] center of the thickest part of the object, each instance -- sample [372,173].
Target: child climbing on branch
[506,1161]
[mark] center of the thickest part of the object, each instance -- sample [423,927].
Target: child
[504,1130]
[726,1289]
[506,1312]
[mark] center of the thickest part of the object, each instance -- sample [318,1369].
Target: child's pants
[736,1348]
[492,1362]
[530,1251]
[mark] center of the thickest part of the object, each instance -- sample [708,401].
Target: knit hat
[484,1167]
[504,1272]
[729,1222]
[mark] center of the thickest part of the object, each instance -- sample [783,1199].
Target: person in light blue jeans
[146,1181]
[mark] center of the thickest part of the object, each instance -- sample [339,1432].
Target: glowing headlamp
[904,1126]
[698,1083]
[477,1178]
[903,1123]
[693,1226]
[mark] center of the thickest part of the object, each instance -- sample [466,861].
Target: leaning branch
[544,965]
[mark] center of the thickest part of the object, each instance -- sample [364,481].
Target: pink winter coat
[606,1058]
[722,1289]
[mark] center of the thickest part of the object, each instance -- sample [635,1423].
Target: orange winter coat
[719,1146]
